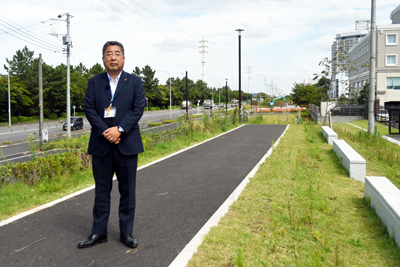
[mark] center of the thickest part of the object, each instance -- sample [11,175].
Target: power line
[165,40]
[20,31]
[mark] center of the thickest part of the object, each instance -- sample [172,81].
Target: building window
[391,39]
[391,60]
[393,83]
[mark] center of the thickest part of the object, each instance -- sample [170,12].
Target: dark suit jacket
[129,99]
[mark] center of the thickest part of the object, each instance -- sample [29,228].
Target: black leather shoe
[128,240]
[92,240]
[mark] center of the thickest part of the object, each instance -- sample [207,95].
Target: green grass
[18,197]
[381,129]
[300,209]
[382,156]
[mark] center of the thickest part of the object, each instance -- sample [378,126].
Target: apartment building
[345,41]
[387,62]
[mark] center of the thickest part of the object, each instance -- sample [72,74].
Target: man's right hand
[112,134]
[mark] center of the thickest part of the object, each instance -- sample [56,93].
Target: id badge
[110,112]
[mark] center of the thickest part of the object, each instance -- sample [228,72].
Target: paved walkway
[175,198]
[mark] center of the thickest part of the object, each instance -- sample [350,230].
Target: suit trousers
[125,168]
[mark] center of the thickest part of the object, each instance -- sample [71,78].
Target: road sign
[254,95]
[74,107]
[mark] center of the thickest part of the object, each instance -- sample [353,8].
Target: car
[348,110]
[183,104]
[76,124]
[382,115]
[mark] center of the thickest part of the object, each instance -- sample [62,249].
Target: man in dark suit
[114,104]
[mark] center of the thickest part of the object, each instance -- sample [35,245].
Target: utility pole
[226,94]
[203,61]
[67,41]
[187,96]
[249,71]
[272,88]
[265,86]
[372,75]
[40,98]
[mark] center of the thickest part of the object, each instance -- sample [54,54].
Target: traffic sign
[254,95]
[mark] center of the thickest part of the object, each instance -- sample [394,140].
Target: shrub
[154,124]
[22,118]
[53,116]
[14,120]
[154,108]
[39,169]
[63,115]
[198,126]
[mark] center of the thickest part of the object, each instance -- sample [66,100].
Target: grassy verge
[19,196]
[300,209]
[381,129]
[382,156]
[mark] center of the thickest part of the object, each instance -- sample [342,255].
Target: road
[18,149]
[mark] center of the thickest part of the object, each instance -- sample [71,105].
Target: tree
[337,68]
[54,89]
[25,68]
[305,94]
[79,79]
[96,69]
[362,99]
[150,84]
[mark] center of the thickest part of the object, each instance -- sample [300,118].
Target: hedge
[53,116]
[14,120]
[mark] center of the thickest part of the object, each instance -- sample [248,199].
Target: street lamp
[170,101]
[240,78]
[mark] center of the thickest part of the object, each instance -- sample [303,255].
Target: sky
[282,43]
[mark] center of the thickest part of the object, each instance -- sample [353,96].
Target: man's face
[113,59]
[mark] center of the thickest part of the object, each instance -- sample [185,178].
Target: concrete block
[351,160]
[385,199]
[329,134]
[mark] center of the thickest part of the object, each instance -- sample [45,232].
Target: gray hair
[107,44]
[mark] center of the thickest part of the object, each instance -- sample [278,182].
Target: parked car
[382,115]
[76,124]
[348,110]
[183,104]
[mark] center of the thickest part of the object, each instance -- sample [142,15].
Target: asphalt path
[175,198]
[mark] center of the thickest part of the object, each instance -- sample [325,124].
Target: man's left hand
[112,134]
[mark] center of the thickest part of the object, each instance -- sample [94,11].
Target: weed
[239,258]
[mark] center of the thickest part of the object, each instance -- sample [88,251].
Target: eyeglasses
[110,54]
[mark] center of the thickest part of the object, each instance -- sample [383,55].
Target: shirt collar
[111,79]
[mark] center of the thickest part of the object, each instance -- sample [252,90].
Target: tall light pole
[240,78]
[9,98]
[170,101]
[372,75]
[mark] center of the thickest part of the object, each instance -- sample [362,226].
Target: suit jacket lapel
[106,85]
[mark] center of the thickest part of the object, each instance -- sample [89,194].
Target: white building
[387,61]
[345,41]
